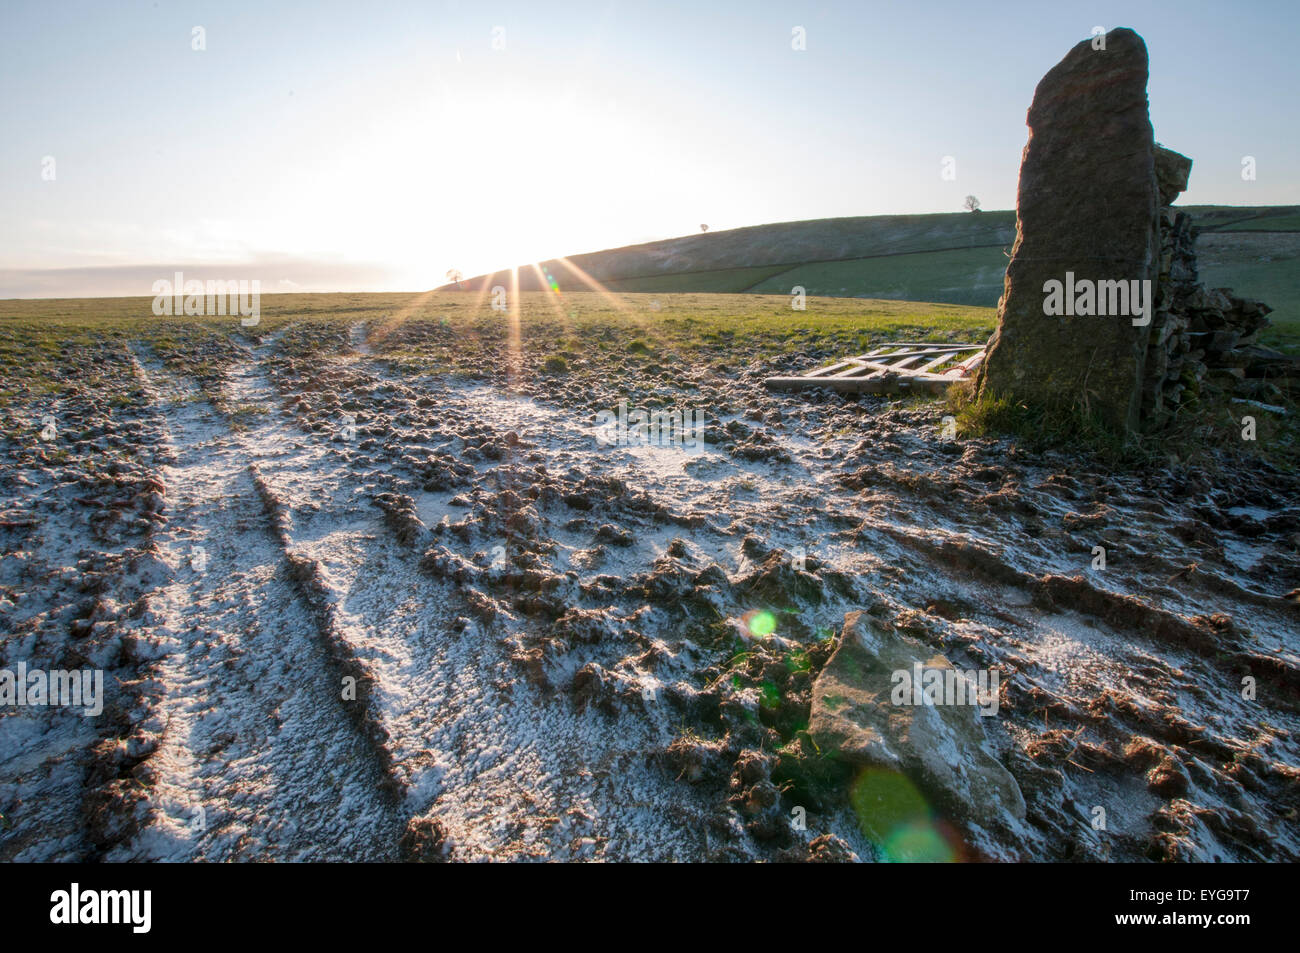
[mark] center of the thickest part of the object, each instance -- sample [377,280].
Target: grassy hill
[951,258]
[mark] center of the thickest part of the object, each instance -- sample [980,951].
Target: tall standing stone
[1086,206]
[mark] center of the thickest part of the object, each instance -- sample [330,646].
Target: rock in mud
[942,749]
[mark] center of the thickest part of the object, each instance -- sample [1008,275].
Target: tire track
[257,757]
[502,770]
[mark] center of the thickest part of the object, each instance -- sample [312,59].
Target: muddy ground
[355,607]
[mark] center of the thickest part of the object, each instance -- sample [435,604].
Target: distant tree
[704,228]
[454,274]
[972,204]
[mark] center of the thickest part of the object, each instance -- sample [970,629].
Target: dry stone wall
[1202,339]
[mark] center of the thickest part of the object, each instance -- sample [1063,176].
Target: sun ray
[552,297]
[514,348]
[482,293]
[385,328]
[596,286]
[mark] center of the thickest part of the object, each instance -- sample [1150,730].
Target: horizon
[598,127]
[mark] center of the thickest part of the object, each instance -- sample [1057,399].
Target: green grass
[241,416]
[722,281]
[1041,428]
[1197,432]
[970,276]
[1274,223]
[1263,265]
[555,364]
[1274,283]
[445,326]
[1228,217]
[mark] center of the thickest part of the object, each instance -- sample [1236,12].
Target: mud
[563,650]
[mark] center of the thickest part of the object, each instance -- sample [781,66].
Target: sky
[323,146]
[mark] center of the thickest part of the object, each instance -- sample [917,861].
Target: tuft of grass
[1041,427]
[555,364]
[242,415]
[1208,432]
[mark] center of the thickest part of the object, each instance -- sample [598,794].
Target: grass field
[737,259]
[458,323]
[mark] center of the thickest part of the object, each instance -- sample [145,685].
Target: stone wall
[1203,340]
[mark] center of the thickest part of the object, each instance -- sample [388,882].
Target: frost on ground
[353,606]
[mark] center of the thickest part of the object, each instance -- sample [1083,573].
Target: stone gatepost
[1087,241]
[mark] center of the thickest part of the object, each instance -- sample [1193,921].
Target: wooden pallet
[898,367]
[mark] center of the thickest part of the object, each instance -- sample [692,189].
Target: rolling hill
[951,258]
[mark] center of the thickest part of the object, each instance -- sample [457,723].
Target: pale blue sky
[369,146]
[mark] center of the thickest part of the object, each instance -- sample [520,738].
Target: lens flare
[895,817]
[919,843]
[760,624]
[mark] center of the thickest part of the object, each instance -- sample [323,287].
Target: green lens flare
[895,817]
[917,844]
[762,624]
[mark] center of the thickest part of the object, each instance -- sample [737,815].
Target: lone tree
[972,204]
[454,274]
[704,228]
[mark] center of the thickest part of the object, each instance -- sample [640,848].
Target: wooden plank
[891,368]
[937,361]
[929,344]
[833,368]
[921,351]
[882,359]
[882,385]
[899,365]
[971,363]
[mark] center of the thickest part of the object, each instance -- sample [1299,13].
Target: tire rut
[257,757]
